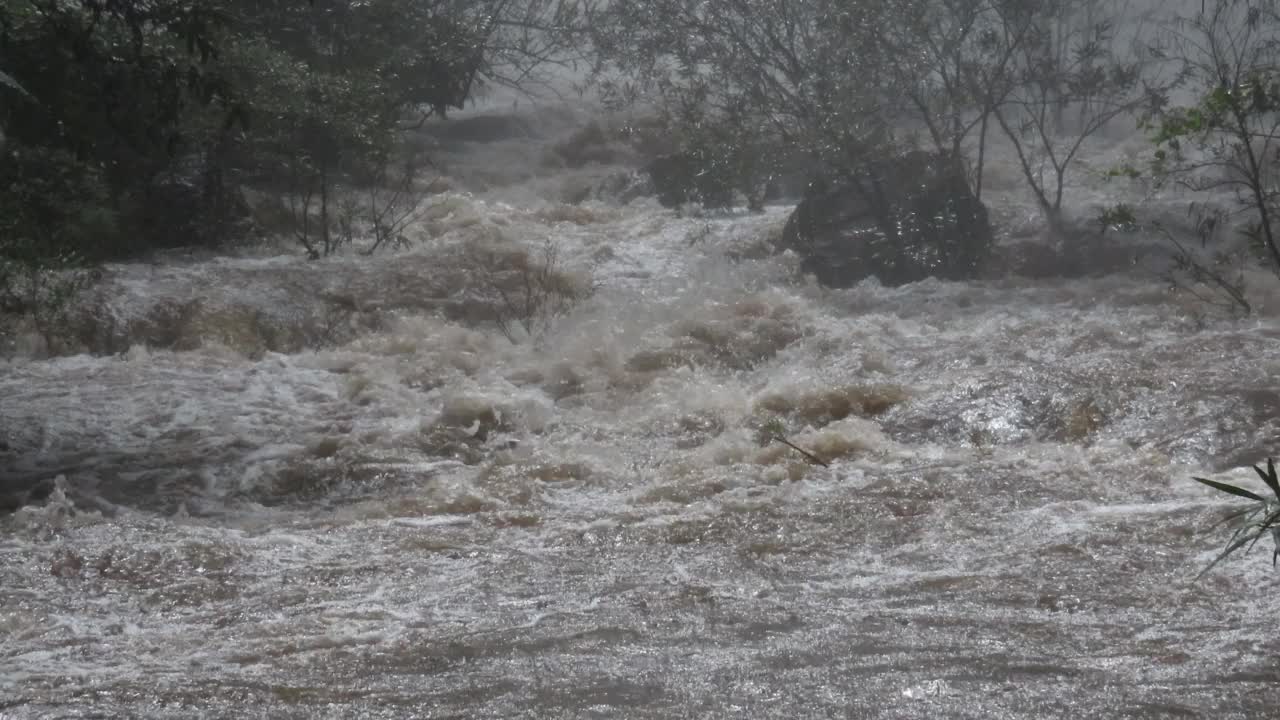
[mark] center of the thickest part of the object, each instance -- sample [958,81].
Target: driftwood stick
[810,456]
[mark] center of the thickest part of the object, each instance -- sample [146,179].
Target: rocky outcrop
[901,220]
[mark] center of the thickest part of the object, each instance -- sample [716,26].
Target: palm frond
[1252,523]
[1232,489]
[1269,477]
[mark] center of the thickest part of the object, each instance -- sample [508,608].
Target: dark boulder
[17,492]
[902,219]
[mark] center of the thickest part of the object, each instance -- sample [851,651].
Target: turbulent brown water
[424,519]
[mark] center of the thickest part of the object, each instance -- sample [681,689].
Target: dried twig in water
[808,455]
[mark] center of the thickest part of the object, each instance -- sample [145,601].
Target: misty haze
[639,358]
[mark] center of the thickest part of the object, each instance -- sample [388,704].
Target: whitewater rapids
[423,518]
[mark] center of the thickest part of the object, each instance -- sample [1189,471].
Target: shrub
[172,106]
[51,217]
[524,292]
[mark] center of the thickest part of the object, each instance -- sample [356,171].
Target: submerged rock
[481,129]
[902,220]
[18,492]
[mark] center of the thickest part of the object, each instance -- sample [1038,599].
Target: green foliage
[846,84]
[1228,139]
[1213,275]
[108,89]
[37,227]
[132,124]
[303,114]
[1120,217]
[770,430]
[44,294]
[51,202]
[53,209]
[799,75]
[717,157]
[1252,523]
[1224,144]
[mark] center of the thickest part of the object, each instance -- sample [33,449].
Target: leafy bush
[802,75]
[129,126]
[292,95]
[525,292]
[844,82]
[719,158]
[53,215]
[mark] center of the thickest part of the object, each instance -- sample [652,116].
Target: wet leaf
[7,80]
[1232,517]
[1236,545]
[1254,539]
[1269,477]
[1230,489]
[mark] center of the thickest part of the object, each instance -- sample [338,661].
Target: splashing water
[389,509]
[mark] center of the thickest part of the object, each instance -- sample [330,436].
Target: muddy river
[292,489]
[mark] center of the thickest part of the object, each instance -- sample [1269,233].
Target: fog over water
[425,519]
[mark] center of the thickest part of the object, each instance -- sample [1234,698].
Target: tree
[108,84]
[129,126]
[1235,124]
[1224,145]
[954,63]
[847,83]
[1077,56]
[172,104]
[800,75]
